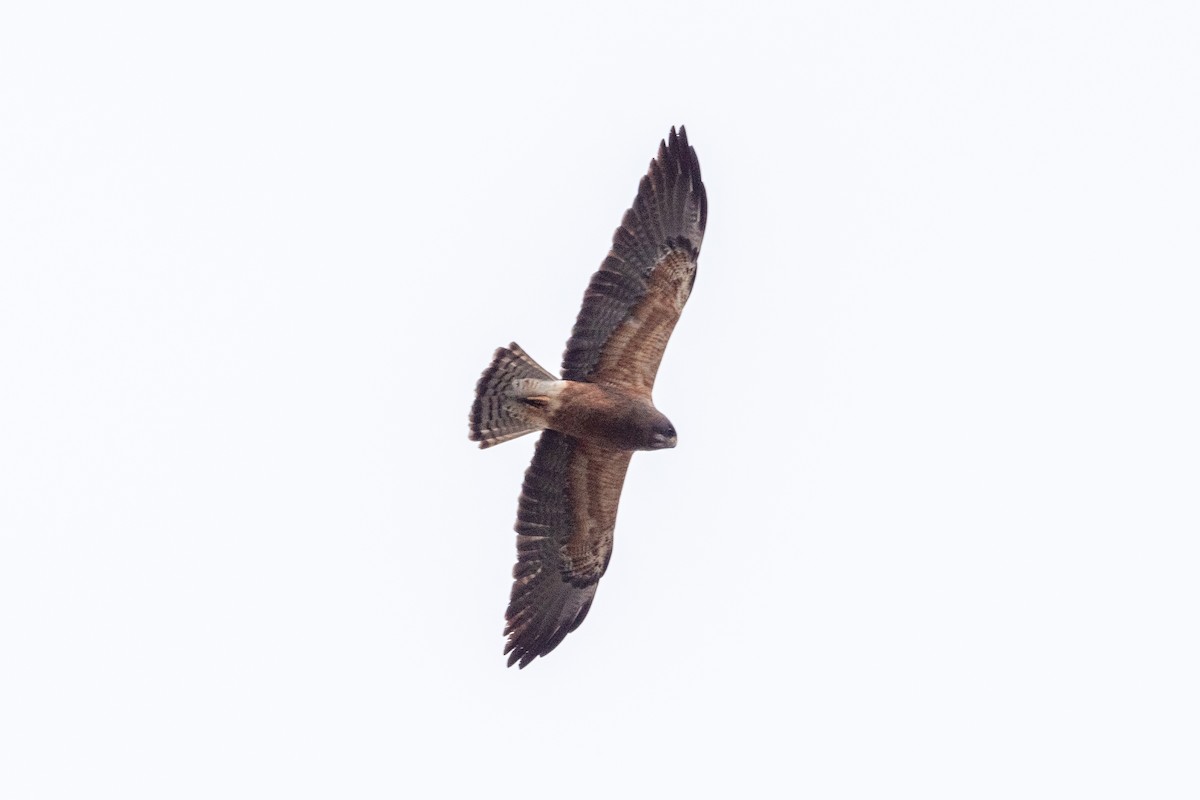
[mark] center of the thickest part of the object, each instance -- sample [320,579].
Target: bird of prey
[601,411]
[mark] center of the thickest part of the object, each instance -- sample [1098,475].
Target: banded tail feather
[507,396]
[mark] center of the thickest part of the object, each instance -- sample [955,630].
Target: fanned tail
[501,411]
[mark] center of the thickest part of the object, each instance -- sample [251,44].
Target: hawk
[600,411]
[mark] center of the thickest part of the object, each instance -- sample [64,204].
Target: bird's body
[609,416]
[600,411]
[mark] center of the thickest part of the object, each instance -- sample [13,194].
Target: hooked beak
[663,442]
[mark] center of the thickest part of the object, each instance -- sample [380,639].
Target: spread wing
[565,524]
[634,300]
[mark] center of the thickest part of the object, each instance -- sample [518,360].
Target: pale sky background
[932,526]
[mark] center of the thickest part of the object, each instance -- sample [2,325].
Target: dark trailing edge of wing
[546,604]
[669,213]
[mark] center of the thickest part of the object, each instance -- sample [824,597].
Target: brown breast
[604,415]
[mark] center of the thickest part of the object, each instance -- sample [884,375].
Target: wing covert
[565,522]
[634,300]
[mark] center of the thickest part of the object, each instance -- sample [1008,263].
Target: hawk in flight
[600,411]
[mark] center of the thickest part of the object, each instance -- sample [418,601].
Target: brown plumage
[601,411]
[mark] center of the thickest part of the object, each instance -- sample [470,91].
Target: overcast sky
[931,529]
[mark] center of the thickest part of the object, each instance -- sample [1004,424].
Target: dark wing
[634,300]
[564,527]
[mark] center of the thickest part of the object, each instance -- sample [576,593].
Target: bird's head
[664,438]
[659,432]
